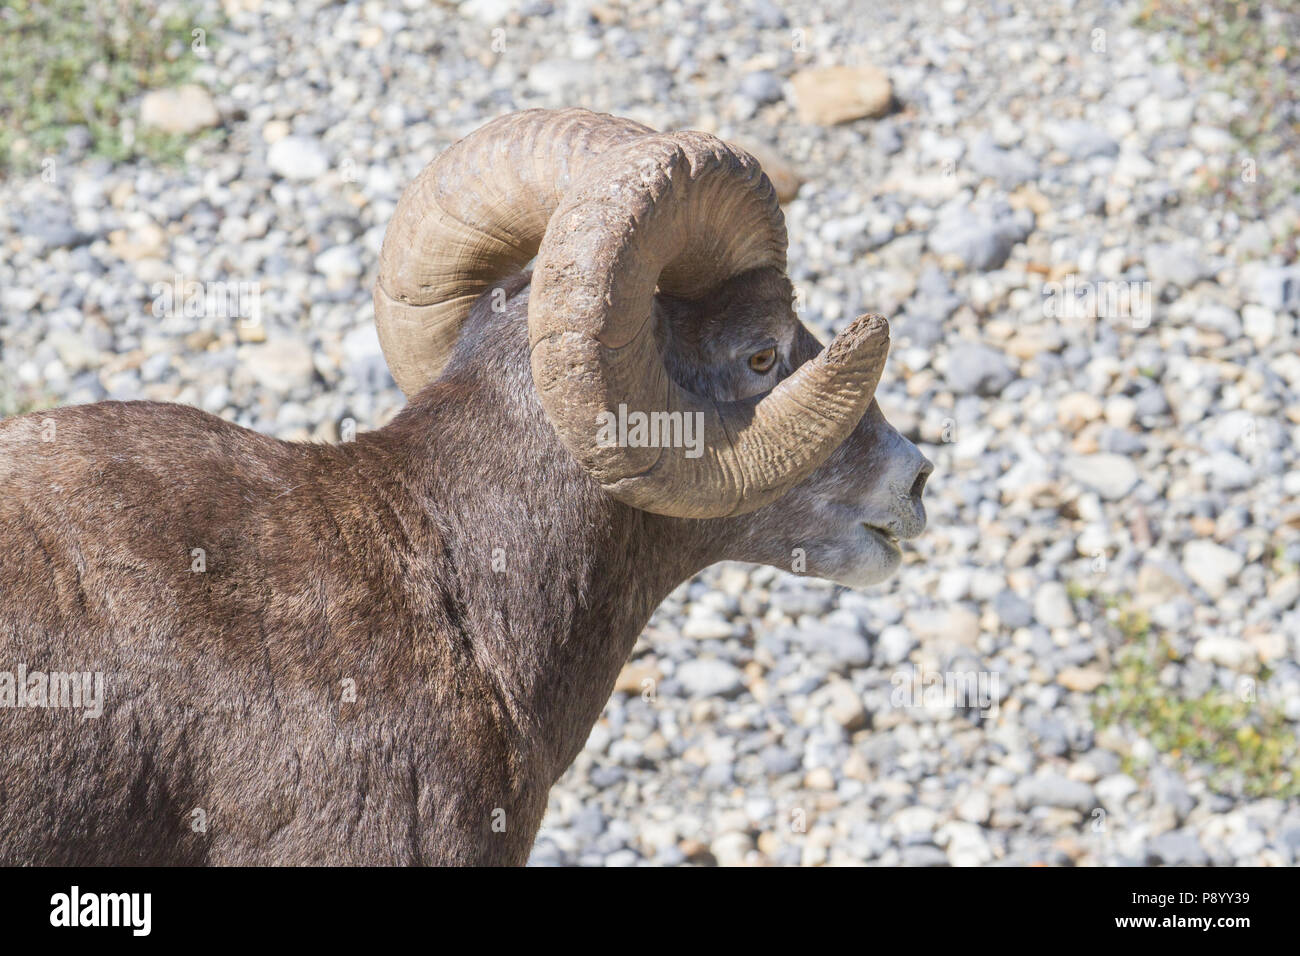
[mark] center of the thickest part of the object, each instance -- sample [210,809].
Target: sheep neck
[551,579]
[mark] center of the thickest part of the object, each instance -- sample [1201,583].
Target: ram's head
[664,344]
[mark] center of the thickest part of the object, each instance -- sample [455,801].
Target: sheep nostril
[918,484]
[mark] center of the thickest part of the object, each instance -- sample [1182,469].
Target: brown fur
[370,562]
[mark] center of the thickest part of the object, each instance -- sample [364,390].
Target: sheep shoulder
[278,632]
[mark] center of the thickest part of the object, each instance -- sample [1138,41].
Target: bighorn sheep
[397,644]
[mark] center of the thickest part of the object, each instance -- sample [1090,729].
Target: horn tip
[862,339]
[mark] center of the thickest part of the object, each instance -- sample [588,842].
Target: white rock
[490,11]
[845,706]
[1052,606]
[957,624]
[1211,565]
[1054,790]
[74,350]
[1120,411]
[1115,789]
[1230,652]
[557,75]
[895,644]
[185,109]
[279,365]
[1111,476]
[706,626]
[275,130]
[954,584]
[1210,139]
[915,821]
[1093,541]
[1259,323]
[339,262]
[297,157]
[731,848]
[965,843]
[975,807]
[708,677]
[1285,591]
[1227,472]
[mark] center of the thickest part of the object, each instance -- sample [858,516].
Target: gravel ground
[1106,479]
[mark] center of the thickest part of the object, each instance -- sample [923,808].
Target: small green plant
[1133,625]
[1245,746]
[1078,591]
[16,400]
[66,64]
[1250,50]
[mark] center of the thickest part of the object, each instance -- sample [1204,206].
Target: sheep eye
[762,362]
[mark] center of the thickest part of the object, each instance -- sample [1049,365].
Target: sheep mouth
[883,535]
